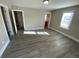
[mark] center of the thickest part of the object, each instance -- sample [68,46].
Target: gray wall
[34,18]
[6,2]
[4,39]
[56,20]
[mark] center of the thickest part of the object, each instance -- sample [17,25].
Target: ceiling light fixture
[46,1]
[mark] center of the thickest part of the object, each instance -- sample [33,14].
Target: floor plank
[54,45]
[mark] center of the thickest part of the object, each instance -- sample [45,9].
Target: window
[66,20]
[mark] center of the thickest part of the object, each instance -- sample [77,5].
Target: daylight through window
[66,20]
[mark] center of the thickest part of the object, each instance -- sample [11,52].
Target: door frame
[14,18]
[48,21]
[7,42]
[11,28]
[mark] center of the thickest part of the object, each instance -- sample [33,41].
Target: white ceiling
[53,4]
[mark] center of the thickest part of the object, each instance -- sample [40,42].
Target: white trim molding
[8,18]
[3,5]
[4,47]
[14,18]
[69,36]
[35,28]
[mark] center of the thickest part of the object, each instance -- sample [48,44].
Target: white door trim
[8,41]
[10,28]
[14,18]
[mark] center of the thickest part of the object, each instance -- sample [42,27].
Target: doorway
[47,20]
[7,20]
[18,19]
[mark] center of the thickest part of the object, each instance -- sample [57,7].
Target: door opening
[18,18]
[47,19]
[5,21]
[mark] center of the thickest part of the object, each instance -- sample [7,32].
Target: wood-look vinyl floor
[54,45]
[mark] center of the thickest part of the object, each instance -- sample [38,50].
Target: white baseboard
[4,47]
[35,28]
[71,37]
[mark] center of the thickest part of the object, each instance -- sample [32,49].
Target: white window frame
[64,21]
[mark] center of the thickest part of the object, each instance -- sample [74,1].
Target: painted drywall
[6,2]
[56,20]
[34,18]
[4,39]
